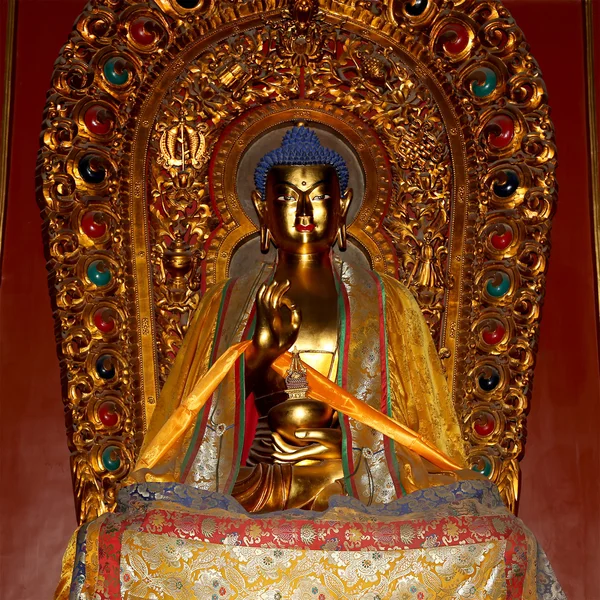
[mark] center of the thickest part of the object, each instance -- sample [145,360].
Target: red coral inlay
[455,38]
[500,131]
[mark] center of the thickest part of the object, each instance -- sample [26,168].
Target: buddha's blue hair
[300,146]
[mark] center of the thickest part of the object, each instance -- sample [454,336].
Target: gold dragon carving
[436,85]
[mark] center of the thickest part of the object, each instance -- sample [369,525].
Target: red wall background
[560,499]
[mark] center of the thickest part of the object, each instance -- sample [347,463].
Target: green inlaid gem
[483,466]
[111,458]
[498,285]
[98,273]
[115,71]
[484,82]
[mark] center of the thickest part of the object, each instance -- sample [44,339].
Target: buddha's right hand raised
[277,323]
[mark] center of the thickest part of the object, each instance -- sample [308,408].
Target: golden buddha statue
[310,382]
[360,408]
[259,440]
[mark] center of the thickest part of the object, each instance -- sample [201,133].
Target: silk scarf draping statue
[360,408]
[227,419]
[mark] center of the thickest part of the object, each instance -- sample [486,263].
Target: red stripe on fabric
[215,349]
[251,411]
[384,387]
[515,561]
[251,424]
[251,316]
[110,540]
[207,406]
[346,348]
[352,535]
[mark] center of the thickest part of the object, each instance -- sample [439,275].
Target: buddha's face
[303,208]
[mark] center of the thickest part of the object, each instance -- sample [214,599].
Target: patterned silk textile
[173,541]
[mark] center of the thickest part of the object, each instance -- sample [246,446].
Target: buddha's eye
[283,198]
[321,197]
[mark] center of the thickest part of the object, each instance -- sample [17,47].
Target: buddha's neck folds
[289,260]
[308,271]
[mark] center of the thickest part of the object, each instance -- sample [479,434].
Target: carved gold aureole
[155,120]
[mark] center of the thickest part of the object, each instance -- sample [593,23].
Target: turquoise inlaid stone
[105,367]
[484,82]
[115,71]
[483,466]
[99,273]
[506,184]
[498,285]
[111,458]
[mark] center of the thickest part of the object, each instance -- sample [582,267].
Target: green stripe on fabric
[214,349]
[343,321]
[252,328]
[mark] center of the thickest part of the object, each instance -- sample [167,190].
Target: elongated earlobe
[342,232]
[265,234]
[341,237]
[265,239]
[346,200]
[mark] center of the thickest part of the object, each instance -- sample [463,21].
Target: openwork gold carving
[151,105]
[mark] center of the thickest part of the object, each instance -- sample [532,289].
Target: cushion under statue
[337,471]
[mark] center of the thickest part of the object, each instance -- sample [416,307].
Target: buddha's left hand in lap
[325,446]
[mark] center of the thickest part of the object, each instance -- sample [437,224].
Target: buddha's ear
[345,201]
[259,205]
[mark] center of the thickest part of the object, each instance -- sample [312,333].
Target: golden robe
[386,358]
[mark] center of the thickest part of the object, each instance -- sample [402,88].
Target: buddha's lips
[309,227]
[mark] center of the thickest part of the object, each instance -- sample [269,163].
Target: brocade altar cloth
[175,541]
